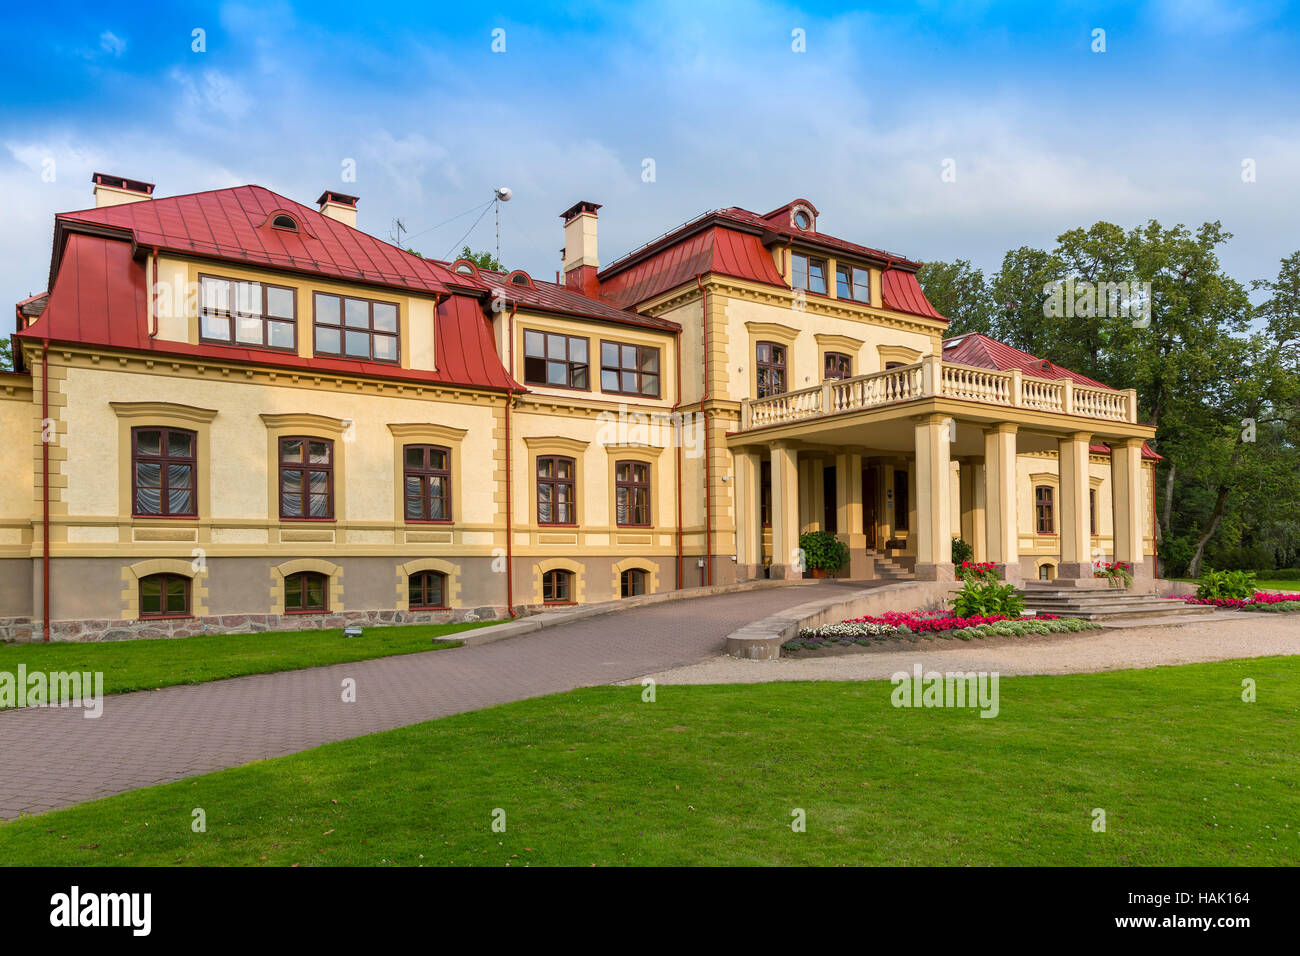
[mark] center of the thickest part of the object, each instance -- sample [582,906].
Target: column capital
[1079,436]
[1127,443]
[933,418]
[1002,428]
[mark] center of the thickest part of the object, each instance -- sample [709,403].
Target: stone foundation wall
[103,630]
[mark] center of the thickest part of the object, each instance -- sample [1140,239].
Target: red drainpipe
[45,491]
[708,440]
[677,354]
[510,400]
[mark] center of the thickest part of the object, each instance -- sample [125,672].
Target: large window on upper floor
[354,328]
[838,365]
[629,369]
[769,364]
[556,499]
[248,313]
[1044,513]
[808,273]
[853,282]
[632,493]
[560,361]
[306,478]
[162,473]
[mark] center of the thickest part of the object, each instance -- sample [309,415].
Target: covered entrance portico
[900,462]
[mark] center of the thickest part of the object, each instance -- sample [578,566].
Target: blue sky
[1045,133]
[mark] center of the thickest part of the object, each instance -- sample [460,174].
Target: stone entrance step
[1094,605]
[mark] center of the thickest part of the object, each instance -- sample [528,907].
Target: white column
[785,509]
[1129,501]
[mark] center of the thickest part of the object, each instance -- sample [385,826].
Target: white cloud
[111,43]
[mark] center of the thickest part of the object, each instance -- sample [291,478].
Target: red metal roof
[232,224]
[901,291]
[551,297]
[99,298]
[718,250]
[984,352]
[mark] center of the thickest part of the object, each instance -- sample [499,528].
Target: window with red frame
[1046,520]
[557,587]
[306,478]
[770,365]
[306,592]
[426,590]
[427,478]
[165,595]
[162,473]
[838,365]
[632,493]
[555,490]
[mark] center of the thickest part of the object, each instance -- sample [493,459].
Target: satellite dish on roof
[504,193]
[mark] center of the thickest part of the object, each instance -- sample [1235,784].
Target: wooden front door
[869,523]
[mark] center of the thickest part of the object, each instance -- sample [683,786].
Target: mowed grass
[161,662]
[1186,772]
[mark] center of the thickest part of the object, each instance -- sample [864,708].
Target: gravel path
[1224,636]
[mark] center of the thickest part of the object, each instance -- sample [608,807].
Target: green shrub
[822,551]
[987,599]
[961,551]
[1226,584]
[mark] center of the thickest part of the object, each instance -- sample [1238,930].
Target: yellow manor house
[246,414]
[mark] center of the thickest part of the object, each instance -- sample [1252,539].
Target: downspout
[708,439]
[45,491]
[510,401]
[677,354]
[153,297]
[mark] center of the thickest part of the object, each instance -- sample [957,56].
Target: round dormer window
[802,220]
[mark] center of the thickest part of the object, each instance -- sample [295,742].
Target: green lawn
[1186,771]
[148,664]
[1291,587]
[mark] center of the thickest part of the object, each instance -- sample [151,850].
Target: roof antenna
[502,194]
[395,233]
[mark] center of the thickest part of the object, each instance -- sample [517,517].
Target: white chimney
[118,190]
[339,206]
[580,261]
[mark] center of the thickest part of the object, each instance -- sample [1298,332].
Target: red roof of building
[735,242]
[99,298]
[543,296]
[717,250]
[233,224]
[983,352]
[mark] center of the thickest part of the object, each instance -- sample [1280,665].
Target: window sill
[307,520]
[571,524]
[441,521]
[635,527]
[307,613]
[440,607]
[136,517]
[167,617]
[559,604]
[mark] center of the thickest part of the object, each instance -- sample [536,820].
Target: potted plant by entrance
[1118,574]
[823,553]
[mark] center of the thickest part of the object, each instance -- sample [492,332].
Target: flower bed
[863,631]
[1262,601]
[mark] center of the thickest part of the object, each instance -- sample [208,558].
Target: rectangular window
[902,506]
[770,369]
[838,365]
[248,313]
[559,361]
[629,369]
[427,482]
[556,503]
[852,282]
[556,587]
[162,473]
[164,595]
[306,478]
[1043,509]
[808,273]
[632,493]
[356,328]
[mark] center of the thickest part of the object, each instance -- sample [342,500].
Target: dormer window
[520,277]
[465,268]
[808,273]
[288,223]
[802,220]
[852,282]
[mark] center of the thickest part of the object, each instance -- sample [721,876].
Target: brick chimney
[339,206]
[117,190]
[579,254]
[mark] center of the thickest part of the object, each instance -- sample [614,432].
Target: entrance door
[869,523]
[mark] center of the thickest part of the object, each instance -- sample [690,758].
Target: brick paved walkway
[53,758]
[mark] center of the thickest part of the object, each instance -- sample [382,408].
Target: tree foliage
[1215,376]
